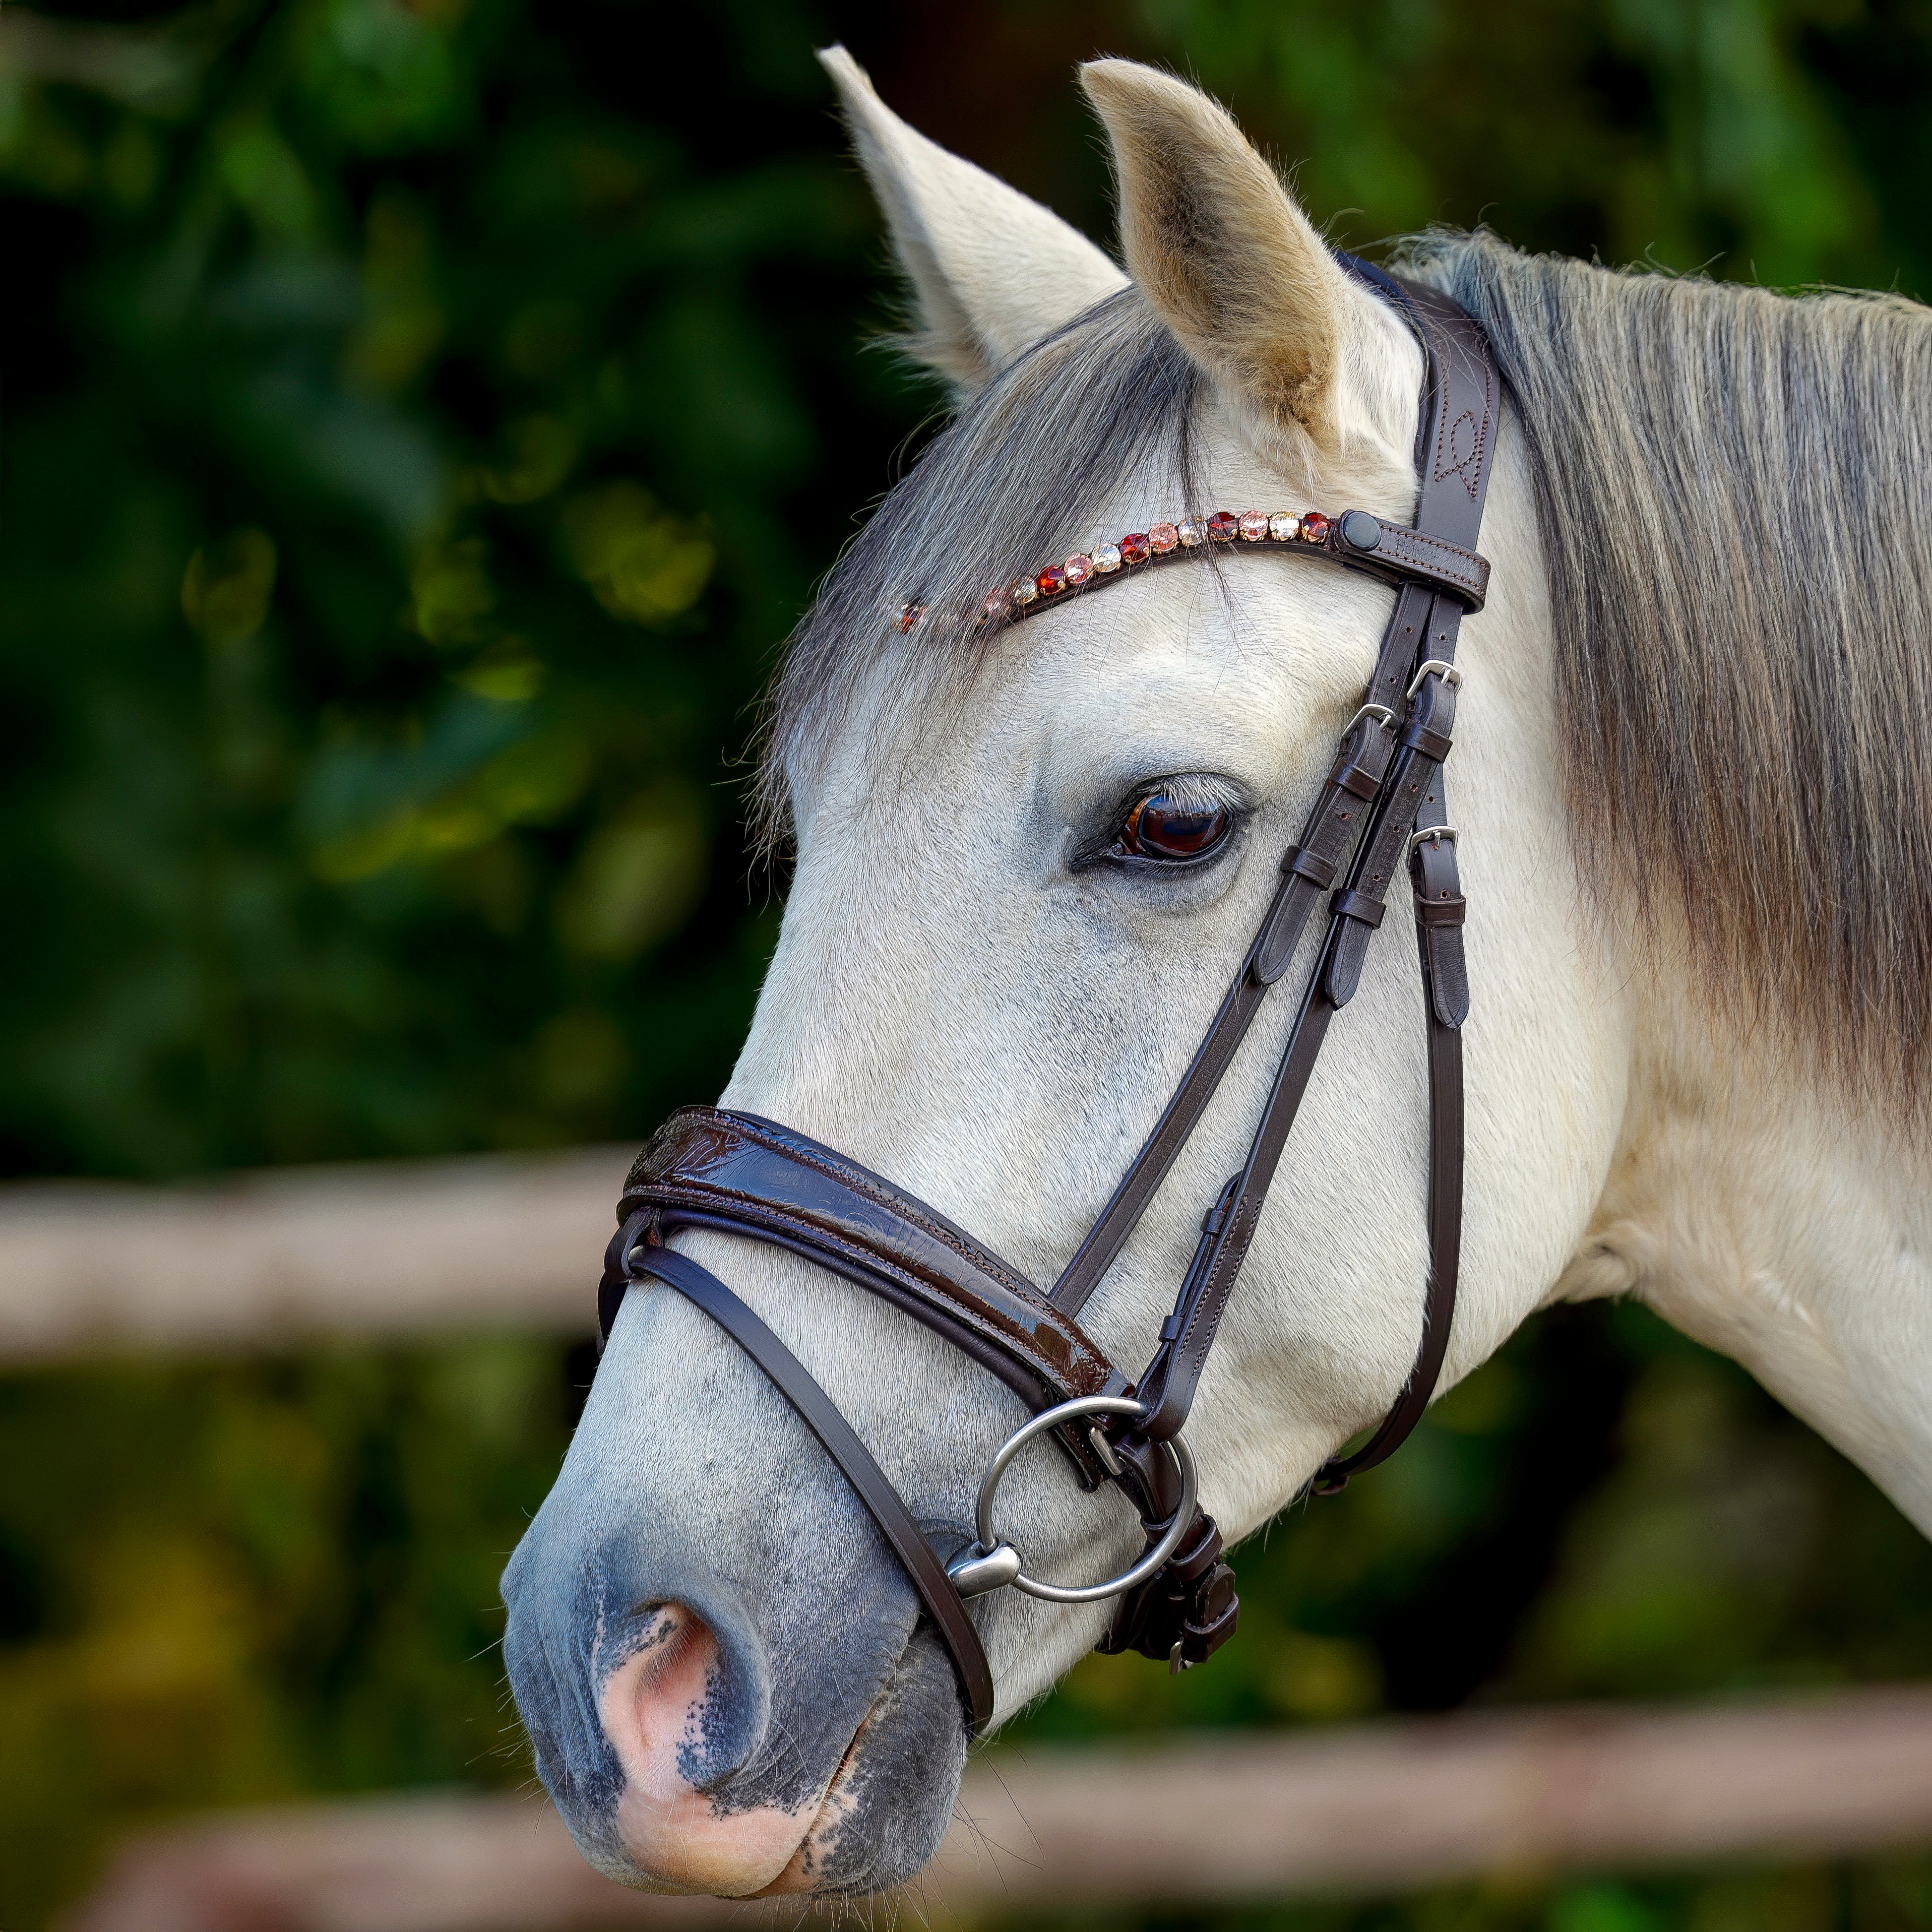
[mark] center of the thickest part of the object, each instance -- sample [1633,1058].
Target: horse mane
[1734,491]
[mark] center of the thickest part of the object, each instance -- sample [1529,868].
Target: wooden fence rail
[1372,1808]
[411,1249]
[402,1248]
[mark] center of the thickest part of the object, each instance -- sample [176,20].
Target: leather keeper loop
[1311,865]
[1431,743]
[1356,780]
[1199,1554]
[1359,906]
[1401,553]
[1441,912]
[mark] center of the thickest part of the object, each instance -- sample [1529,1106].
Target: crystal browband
[1395,552]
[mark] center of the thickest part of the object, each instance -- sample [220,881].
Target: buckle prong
[1451,674]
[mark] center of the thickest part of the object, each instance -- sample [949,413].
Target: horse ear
[991,272]
[1220,249]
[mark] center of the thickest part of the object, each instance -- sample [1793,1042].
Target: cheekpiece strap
[1459,409]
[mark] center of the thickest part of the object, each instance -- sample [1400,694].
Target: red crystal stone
[1224,526]
[1314,528]
[1052,580]
[1135,549]
[1254,526]
[909,615]
[1163,537]
[1079,569]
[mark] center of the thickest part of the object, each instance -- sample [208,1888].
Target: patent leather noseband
[1381,811]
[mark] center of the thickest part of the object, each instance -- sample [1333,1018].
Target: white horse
[1691,777]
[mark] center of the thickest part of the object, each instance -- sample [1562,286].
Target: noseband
[1382,803]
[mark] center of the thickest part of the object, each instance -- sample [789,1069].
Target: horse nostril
[678,1712]
[650,1703]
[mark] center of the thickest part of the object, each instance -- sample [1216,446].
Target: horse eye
[1160,827]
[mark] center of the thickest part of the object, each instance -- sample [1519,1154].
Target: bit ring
[990,1546]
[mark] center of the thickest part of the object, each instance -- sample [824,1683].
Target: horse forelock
[1015,479]
[1734,494]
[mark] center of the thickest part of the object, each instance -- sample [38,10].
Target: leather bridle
[1382,802]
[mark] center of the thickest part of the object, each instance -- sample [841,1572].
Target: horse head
[1028,857]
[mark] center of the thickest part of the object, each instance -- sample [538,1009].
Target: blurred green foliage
[185,1624]
[423,418]
[404,488]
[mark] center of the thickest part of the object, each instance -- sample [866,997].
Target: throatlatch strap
[1445,1208]
[788,1375]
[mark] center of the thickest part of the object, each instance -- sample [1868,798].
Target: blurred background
[423,422]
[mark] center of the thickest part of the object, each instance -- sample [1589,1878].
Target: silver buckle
[1437,832]
[1380,713]
[1434,667]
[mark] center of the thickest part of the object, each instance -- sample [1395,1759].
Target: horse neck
[1770,1213]
[1701,1164]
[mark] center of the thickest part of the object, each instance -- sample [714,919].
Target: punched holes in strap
[1439,898]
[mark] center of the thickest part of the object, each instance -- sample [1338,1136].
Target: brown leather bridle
[1382,802]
